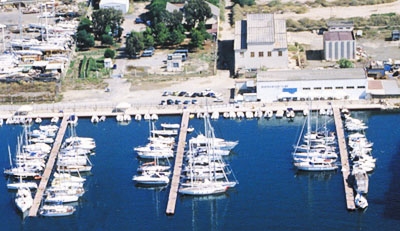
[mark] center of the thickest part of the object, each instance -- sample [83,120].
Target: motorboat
[21,184]
[23,199]
[54,120]
[94,119]
[38,120]
[56,210]
[316,164]
[360,201]
[170,126]
[152,178]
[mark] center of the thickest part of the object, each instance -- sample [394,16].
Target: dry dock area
[173,193]
[49,167]
[344,159]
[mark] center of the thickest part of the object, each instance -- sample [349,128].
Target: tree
[161,33]
[107,17]
[84,39]
[244,2]
[196,11]
[108,53]
[85,24]
[197,39]
[148,37]
[345,63]
[107,39]
[134,44]
[176,36]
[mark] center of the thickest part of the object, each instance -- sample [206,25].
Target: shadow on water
[392,201]
[319,175]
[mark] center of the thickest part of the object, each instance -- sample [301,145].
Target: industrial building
[122,5]
[339,41]
[322,84]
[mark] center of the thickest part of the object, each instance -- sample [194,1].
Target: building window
[317,88]
[260,54]
[279,53]
[242,54]
[306,88]
[361,87]
[328,88]
[350,87]
[338,87]
[252,54]
[269,53]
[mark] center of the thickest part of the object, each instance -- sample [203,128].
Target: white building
[325,84]
[339,41]
[122,5]
[260,42]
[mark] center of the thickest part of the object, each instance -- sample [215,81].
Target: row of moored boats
[27,166]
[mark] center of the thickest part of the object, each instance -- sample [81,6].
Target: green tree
[244,2]
[196,11]
[197,39]
[345,63]
[134,44]
[109,53]
[161,33]
[148,37]
[84,39]
[107,17]
[107,39]
[177,35]
[85,24]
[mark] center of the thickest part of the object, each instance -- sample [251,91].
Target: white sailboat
[309,159]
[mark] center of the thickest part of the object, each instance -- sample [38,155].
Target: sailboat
[314,161]
[203,179]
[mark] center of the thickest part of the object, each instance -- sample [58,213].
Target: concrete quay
[85,109]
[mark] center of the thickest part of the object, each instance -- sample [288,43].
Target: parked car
[147,53]
[163,102]
[194,101]
[139,20]
[177,102]
[186,102]
[170,101]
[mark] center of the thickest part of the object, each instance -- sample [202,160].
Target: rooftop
[320,74]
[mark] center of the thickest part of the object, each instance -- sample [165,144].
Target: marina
[49,168]
[348,190]
[314,191]
[173,194]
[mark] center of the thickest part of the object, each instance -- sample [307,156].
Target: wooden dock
[344,159]
[49,167]
[173,193]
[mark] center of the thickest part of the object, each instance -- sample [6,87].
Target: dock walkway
[344,159]
[49,167]
[173,193]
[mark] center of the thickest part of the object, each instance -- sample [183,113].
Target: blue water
[271,195]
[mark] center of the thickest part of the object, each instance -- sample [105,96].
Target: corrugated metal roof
[391,87]
[323,74]
[260,28]
[240,42]
[280,34]
[338,36]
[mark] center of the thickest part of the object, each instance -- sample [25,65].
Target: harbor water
[271,194]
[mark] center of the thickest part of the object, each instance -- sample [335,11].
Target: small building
[260,42]
[174,63]
[395,35]
[339,41]
[108,63]
[326,84]
[122,5]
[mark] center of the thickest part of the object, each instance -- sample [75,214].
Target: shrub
[109,53]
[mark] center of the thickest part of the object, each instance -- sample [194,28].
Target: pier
[344,159]
[173,193]
[49,167]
